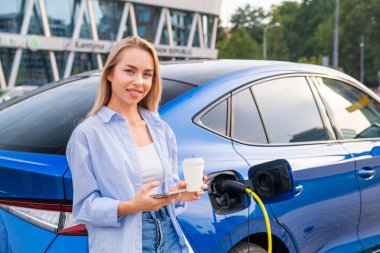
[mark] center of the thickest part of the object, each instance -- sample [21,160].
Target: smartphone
[166,194]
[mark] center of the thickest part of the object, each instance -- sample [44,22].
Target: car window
[172,89]
[216,118]
[246,126]
[354,114]
[289,111]
[43,123]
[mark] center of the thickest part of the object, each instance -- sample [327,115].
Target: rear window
[43,123]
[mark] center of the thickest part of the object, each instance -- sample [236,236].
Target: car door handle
[366,173]
[299,189]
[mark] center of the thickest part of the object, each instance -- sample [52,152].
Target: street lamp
[265,30]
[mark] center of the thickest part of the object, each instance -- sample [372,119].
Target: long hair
[152,99]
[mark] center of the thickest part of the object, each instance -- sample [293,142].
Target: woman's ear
[109,77]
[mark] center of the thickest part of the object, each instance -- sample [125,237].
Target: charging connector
[234,186]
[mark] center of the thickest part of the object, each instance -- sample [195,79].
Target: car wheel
[247,247]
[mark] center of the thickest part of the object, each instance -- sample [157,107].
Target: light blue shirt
[106,170]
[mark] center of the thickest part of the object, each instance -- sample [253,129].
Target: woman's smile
[135,93]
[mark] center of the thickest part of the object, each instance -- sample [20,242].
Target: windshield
[43,123]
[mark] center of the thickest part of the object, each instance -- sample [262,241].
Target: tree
[251,19]
[239,46]
[360,18]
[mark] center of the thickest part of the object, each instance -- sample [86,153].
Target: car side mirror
[273,181]
[225,202]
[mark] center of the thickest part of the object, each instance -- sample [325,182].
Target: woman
[121,154]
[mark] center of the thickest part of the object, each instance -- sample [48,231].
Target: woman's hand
[190,196]
[143,201]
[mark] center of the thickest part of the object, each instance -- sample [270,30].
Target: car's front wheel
[247,247]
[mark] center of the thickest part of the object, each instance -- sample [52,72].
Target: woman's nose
[139,80]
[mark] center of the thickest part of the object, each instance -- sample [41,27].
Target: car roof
[207,70]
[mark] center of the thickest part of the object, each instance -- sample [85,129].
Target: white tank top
[151,166]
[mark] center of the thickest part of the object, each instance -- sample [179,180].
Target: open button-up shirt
[105,171]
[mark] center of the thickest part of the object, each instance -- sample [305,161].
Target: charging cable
[267,223]
[230,185]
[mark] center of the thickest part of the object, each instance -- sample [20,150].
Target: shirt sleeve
[89,207]
[180,206]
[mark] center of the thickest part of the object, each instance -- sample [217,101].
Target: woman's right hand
[143,201]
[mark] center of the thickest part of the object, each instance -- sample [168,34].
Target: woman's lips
[134,92]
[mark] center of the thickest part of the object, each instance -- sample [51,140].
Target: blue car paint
[38,175]
[17,235]
[65,243]
[327,173]
[317,168]
[367,156]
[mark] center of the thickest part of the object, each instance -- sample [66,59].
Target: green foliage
[306,34]
[238,46]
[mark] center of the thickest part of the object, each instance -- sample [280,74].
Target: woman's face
[132,77]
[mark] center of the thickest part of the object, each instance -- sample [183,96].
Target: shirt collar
[106,114]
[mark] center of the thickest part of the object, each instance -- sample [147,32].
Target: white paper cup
[193,172]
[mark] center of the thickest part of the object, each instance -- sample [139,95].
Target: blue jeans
[158,233]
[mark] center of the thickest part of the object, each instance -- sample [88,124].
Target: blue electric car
[235,114]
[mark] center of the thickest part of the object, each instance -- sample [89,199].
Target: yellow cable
[265,217]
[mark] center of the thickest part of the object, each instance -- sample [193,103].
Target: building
[46,40]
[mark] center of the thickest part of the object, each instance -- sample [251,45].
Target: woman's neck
[128,112]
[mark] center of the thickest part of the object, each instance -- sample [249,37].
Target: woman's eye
[130,71]
[147,74]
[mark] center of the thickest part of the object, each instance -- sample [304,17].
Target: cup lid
[197,160]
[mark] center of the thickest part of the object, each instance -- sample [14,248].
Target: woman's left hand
[190,196]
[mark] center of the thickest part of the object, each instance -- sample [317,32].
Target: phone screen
[166,194]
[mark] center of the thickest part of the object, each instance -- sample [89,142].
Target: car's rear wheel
[247,247]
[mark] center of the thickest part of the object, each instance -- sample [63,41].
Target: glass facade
[181,25]
[11,14]
[35,69]
[32,57]
[107,17]
[61,16]
[147,18]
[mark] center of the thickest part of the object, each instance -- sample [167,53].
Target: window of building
[289,111]
[128,28]
[216,118]
[61,16]
[35,68]
[147,18]
[84,62]
[246,122]
[6,56]
[85,30]
[181,26]
[208,27]
[61,59]
[35,25]
[11,15]
[353,113]
[107,18]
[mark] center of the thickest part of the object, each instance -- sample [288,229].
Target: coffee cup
[193,173]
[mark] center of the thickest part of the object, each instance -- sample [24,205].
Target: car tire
[247,247]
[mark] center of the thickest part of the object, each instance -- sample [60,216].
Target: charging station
[267,182]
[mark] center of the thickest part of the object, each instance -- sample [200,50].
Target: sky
[229,7]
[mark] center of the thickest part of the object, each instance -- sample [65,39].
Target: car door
[280,119]
[355,117]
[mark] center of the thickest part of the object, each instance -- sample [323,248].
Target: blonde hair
[152,99]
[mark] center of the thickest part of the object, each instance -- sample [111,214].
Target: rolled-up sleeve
[89,206]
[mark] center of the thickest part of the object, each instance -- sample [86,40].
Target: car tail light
[54,216]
